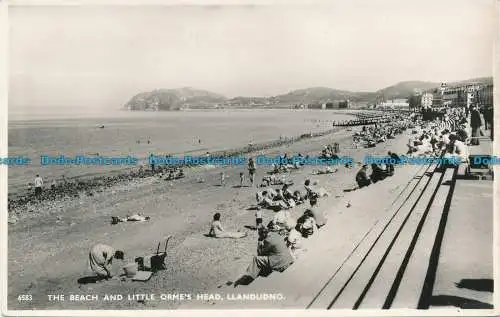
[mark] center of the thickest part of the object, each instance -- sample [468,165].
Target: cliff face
[172,99]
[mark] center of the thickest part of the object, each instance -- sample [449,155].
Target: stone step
[407,289]
[330,247]
[346,272]
[381,287]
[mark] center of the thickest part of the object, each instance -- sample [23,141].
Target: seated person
[377,174]
[361,177]
[294,241]
[311,190]
[180,174]
[279,195]
[217,231]
[287,193]
[101,258]
[394,156]
[283,220]
[317,214]
[272,254]
[298,197]
[462,134]
[265,199]
[307,224]
[170,175]
[457,148]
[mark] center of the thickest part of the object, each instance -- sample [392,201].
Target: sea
[138,134]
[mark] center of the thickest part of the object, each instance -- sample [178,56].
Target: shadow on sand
[89,279]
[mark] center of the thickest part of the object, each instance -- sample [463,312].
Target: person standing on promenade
[251,170]
[475,124]
[38,185]
[488,119]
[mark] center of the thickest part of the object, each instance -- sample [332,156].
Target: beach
[56,236]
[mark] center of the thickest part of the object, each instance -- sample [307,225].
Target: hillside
[404,89]
[172,99]
[321,94]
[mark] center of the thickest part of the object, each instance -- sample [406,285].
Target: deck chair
[154,262]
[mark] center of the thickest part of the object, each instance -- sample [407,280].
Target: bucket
[130,269]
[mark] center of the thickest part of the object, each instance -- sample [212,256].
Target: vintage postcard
[313,156]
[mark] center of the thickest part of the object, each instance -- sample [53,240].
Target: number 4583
[25,297]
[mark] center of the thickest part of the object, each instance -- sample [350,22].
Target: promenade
[425,241]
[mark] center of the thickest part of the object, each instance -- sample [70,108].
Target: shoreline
[19,197]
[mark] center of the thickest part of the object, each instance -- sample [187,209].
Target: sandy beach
[56,236]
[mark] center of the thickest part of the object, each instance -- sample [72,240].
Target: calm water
[168,132]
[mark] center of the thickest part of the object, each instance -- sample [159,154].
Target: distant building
[484,96]
[395,104]
[427,99]
[344,104]
[460,95]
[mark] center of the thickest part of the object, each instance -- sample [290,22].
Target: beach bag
[154,262]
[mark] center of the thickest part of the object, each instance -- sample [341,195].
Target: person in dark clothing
[462,134]
[394,156]
[361,177]
[390,167]
[272,254]
[488,120]
[475,123]
[377,173]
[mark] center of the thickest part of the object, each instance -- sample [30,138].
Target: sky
[99,56]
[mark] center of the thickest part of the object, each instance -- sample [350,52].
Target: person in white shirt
[258,219]
[283,220]
[460,148]
[38,185]
[100,260]
[294,241]
[217,231]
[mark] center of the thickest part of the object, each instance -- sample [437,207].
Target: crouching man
[272,255]
[101,258]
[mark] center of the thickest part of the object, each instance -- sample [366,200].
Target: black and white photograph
[304,155]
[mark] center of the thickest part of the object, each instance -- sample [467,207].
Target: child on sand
[217,231]
[242,179]
[258,219]
[222,179]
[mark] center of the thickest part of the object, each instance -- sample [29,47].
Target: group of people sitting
[281,242]
[269,180]
[369,136]
[439,140]
[173,175]
[378,172]
[286,198]
[330,151]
